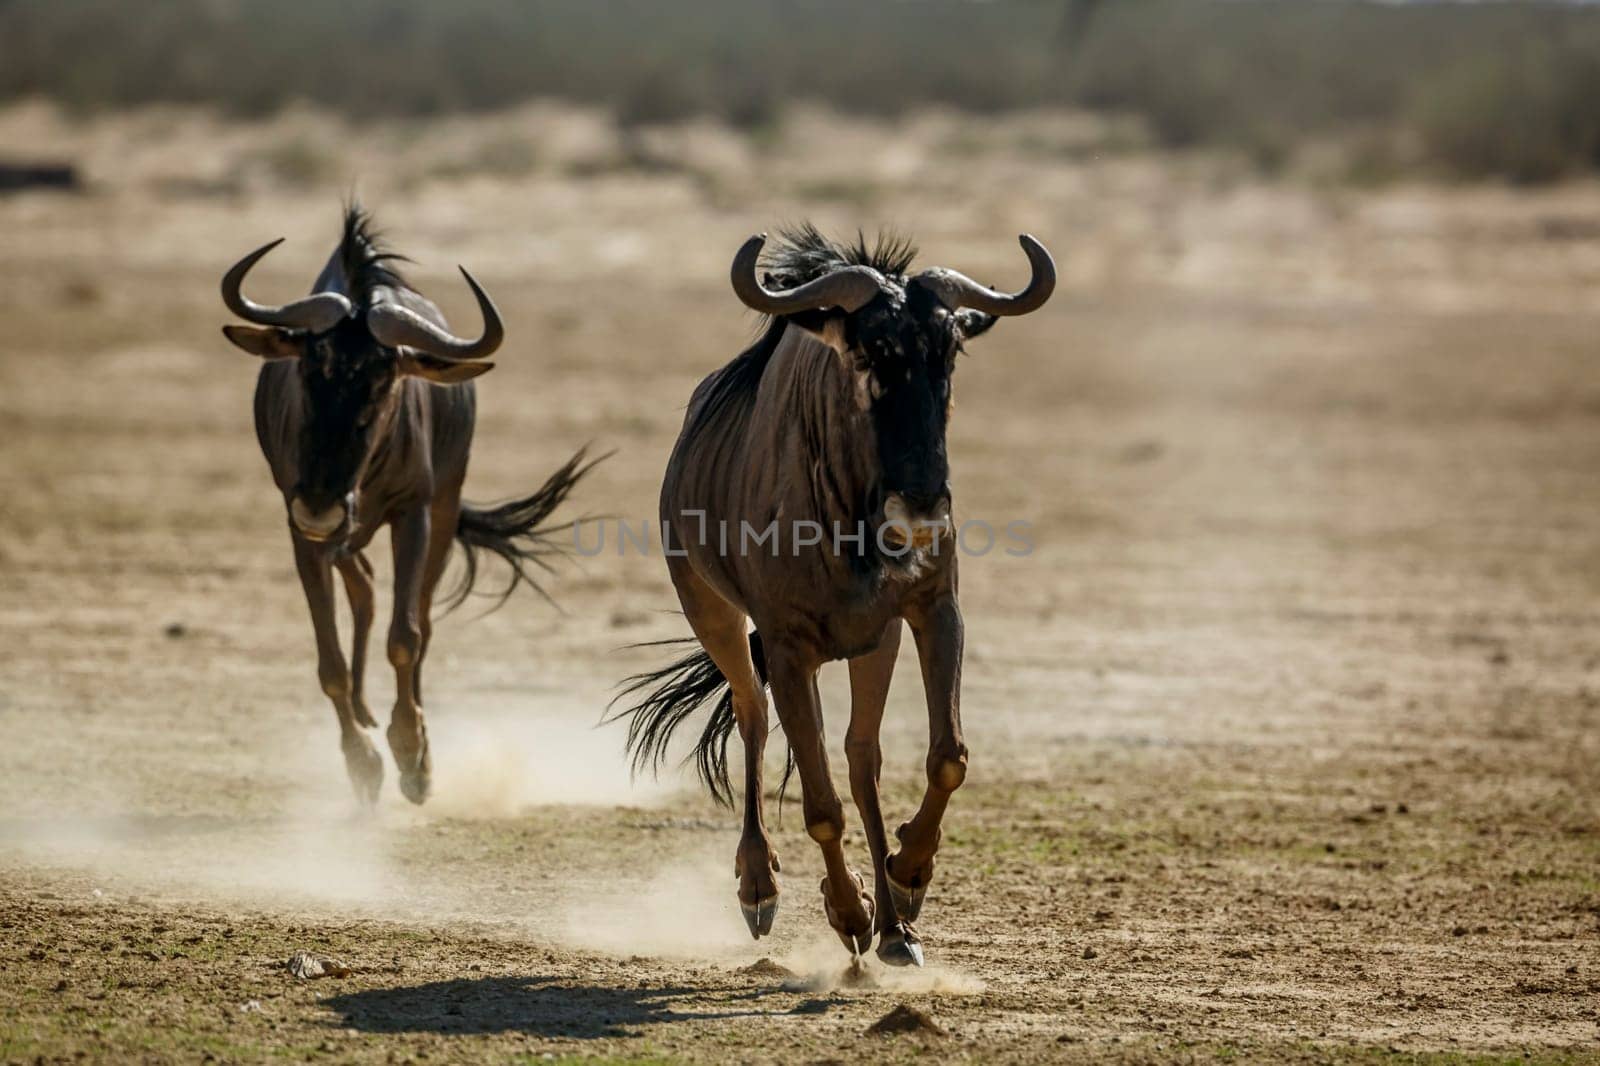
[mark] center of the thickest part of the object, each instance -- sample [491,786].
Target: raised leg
[361,760]
[357,574]
[844,895]
[938,633]
[720,628]
[869,690]
[408,733]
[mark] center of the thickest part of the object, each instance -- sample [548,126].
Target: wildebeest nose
[923,523]
[318,523]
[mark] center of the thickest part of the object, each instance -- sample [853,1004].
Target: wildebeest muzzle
[322,523]
[914,522]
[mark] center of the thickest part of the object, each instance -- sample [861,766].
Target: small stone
[904,1019]
[765,967]
[307,966]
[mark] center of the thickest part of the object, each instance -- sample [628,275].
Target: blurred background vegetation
[1484,90]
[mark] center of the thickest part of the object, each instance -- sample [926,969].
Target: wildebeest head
[899,338]
[350,364]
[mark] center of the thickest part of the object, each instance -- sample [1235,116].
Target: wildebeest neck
[808,418]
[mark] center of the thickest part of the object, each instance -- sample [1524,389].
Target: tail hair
[513,530]
[669,696]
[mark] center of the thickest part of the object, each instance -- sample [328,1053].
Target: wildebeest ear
[440,371]
[974,323]
[269,342]
[827,326]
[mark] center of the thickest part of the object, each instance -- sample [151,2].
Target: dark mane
[798,255]
[801,253]
[364,259]
[738,380]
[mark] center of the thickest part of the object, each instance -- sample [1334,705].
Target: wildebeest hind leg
[845,900]
[720,628]
[357,574]
[939,637]
[408,733]
[869,690]
[361,760]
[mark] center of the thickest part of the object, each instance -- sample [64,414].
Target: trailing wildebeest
[833,420]
[365,412]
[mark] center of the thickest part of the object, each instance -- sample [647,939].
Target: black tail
[512,531]
[668,696]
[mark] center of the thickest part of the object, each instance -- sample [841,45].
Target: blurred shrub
[1486,89]
[1531,115]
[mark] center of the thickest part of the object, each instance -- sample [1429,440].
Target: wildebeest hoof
[759,915]
[415,785]
[416,770]
[365,767]
[907,900]
[899,946]
[855,943]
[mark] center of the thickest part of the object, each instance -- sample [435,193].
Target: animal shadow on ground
[538,1005]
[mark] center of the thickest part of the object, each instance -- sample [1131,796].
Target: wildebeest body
[365,411]
[754,462]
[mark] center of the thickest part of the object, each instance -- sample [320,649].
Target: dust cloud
[494,763]
[315,848]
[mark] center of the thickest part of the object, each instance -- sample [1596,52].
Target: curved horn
[318,312]
[395,326]
[850,288]
[956,290]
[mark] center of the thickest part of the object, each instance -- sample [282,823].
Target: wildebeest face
[901,350]
[350,395]
[899,339]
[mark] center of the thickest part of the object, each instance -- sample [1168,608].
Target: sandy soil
[1284,740]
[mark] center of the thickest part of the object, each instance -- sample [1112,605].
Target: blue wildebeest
[364,410]
[833,420]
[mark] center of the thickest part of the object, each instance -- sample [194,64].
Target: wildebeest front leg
[844,895]
[939,634]
[869,690]
[361,760]
[408,733]
[357,574]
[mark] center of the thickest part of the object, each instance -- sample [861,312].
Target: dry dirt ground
[1284,738]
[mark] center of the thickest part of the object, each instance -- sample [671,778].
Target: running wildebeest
[364,410]
[834,420]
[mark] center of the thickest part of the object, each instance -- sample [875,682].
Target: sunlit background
[1283,741]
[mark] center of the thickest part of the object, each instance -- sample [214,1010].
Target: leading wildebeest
[832,423]
[365,412]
